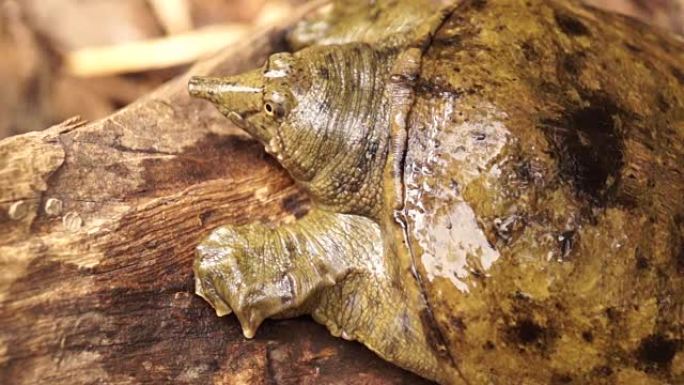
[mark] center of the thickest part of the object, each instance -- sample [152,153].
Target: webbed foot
[331,266]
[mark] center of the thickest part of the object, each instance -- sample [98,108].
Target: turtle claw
[208,293]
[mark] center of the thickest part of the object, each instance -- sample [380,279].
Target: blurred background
[61,58]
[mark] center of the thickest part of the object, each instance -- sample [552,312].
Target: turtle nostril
[193,86]
[197,86]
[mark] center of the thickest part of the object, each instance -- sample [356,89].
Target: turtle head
[258,101]
[245,100]
[316,111]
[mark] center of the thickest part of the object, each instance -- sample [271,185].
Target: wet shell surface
[497,190]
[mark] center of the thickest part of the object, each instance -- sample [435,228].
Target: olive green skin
[505,200]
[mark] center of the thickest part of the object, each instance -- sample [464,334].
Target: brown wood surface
[101,291]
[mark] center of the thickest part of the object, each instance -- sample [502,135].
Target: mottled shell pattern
[497,188]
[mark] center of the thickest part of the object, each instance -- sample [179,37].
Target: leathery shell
[544,195]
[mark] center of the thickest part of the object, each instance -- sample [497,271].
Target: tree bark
[99,222]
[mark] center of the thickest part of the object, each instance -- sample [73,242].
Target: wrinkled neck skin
[322,112]
[334,141]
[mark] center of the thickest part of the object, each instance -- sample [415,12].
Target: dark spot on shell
[612,314]
[570,25]
[474,90]
[479,4]
[573,63]
[559,306]
[560,379]
[548,87]
[662,103]
[656,351]
[521,297]
[489,345]
[323,73]
[527,332]
[465,6]
[588,146]
[641,262]
[458,323]
[588,336]
[529,51]
[603,371]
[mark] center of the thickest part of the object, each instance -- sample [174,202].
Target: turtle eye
[270,110]
[275,110]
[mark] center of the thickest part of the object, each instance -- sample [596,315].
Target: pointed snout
[241,94]
[202,86]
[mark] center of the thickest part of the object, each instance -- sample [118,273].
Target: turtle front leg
[259,272]
[329,265]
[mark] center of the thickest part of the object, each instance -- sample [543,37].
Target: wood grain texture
[97,287]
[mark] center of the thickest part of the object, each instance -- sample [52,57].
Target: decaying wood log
[99,222]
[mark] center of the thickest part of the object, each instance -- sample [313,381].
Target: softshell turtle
[497,191]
